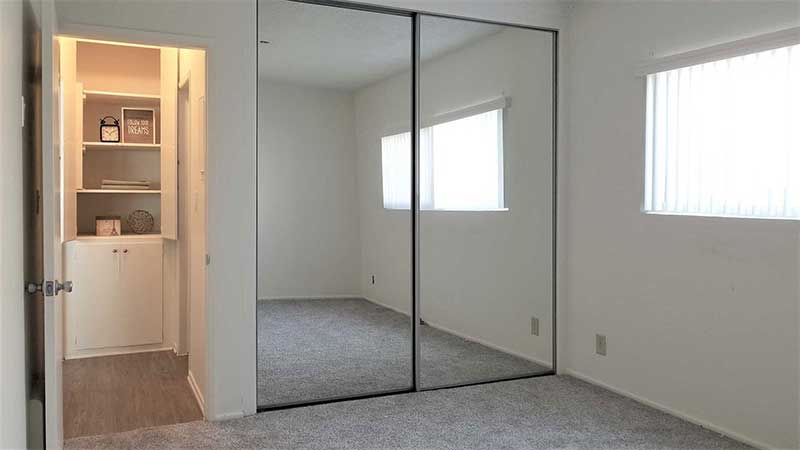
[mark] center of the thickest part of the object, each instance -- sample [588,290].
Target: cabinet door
[117,301]
[91,308]
[139,311]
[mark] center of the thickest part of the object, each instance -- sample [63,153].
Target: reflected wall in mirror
[334,265]
[486,200]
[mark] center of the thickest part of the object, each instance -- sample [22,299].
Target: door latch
[49,288]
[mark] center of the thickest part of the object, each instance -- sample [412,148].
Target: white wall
[13,412]
[193,232]
[483,274]
[701,314]
[227,29]
[308,232]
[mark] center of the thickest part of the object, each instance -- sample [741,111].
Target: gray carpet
[319,349]
[537,413]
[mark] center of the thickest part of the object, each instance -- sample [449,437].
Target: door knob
[49,288]
[32,288]
[65,286]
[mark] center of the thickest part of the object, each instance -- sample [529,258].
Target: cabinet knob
[125,251]
[114,251]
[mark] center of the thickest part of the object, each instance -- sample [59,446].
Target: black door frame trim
[415,16]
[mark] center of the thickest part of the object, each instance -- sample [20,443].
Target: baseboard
[490,345]
[175,350]
[197,394]
[465,336]
[309,297]
[673,412]
[227,416]
[82,354]
[397,310]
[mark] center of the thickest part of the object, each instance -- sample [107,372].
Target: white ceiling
[337,48]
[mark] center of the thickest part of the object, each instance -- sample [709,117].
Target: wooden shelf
[119,146]
[119,95]
[123,237]
[119,191]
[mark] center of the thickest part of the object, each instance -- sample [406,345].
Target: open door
[43,230]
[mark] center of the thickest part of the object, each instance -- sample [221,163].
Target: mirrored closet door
[486,202]
[334,215]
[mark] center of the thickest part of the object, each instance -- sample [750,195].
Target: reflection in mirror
[334,265]
[486,200]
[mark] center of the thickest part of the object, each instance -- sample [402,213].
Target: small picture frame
[138,125]
[108,225]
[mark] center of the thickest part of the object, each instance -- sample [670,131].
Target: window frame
[499,105]
[761,43]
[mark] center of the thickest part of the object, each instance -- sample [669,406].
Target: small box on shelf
[108,225]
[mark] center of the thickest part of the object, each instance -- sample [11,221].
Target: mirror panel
[486,200]
[334,260]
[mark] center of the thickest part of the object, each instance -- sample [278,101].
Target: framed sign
[138,126]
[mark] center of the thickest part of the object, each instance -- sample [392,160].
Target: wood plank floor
[110,394]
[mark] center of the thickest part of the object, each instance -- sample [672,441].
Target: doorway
[133,222]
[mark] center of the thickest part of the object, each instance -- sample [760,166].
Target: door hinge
[208,259]
[22,122]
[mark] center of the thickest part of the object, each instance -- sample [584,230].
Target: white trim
[309,297]
[488,344]
[96,353]
[465,336]
[395,309]
[789,220]
[227,416]
[755,44]
[673,412]
[197,394]
[182,83]
[472,110]
[132,36]
[501,102]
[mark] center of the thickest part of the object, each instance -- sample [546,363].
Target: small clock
[109,129]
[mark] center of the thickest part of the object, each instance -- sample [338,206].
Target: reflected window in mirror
[461,164]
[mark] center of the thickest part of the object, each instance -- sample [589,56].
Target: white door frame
[54,410]
[51,227]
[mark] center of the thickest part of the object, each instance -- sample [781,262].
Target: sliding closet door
[486,202]
[334,218]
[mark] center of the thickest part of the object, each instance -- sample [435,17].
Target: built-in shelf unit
[99,81]
[119,191]
[120,280]
[119,146]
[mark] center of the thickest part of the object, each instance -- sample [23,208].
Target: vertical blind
[461,165]
[723,138]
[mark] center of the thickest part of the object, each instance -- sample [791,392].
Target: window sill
[453,210]
[788,220]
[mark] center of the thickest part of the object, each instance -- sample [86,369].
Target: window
[461,165]
[723,137]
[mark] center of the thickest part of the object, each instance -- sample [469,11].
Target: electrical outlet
[373,279]
[535,326]
[600,344]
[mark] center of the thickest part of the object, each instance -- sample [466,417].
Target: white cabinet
[117,296]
